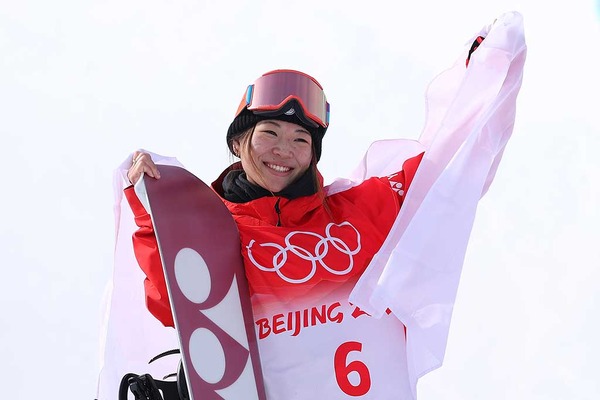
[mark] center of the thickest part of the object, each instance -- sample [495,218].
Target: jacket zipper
[278,211]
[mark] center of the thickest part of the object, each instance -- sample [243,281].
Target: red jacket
[321,244]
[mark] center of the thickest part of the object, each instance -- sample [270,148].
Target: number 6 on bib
[343,369]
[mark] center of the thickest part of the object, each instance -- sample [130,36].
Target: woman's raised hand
[142,163]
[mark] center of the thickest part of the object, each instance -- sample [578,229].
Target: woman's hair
[245,140]
[319,190]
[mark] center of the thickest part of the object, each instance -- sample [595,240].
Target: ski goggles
[272,91]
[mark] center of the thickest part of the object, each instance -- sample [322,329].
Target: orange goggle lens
[274,89]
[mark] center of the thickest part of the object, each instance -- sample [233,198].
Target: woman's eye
[301,140]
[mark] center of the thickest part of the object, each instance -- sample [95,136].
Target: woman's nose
[283,149]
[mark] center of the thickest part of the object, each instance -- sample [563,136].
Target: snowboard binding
[145,387]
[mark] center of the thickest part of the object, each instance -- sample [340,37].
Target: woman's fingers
[142,163]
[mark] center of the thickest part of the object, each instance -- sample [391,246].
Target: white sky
[84,83]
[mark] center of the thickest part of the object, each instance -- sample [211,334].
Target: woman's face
[279,152]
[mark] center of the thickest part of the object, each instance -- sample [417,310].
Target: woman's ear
[236,147]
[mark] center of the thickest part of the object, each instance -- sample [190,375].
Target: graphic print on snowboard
[200,251]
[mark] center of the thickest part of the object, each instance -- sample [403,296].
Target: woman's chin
[276,185]
[275,188]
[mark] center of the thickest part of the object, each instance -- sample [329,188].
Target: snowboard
[199,247]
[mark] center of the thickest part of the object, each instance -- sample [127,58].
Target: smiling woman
[275,153]
[350,296]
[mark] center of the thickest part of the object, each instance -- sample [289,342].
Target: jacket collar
[272,208]
[233,185]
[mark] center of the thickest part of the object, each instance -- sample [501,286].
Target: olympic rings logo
[315,257]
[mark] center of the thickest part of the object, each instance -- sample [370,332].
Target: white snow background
[84,83]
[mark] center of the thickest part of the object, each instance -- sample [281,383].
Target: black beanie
[247,119]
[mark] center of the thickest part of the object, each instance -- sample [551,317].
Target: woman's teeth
[278,168]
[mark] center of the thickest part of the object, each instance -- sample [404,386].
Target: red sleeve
[146,252]
[400,181]
[409,168]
